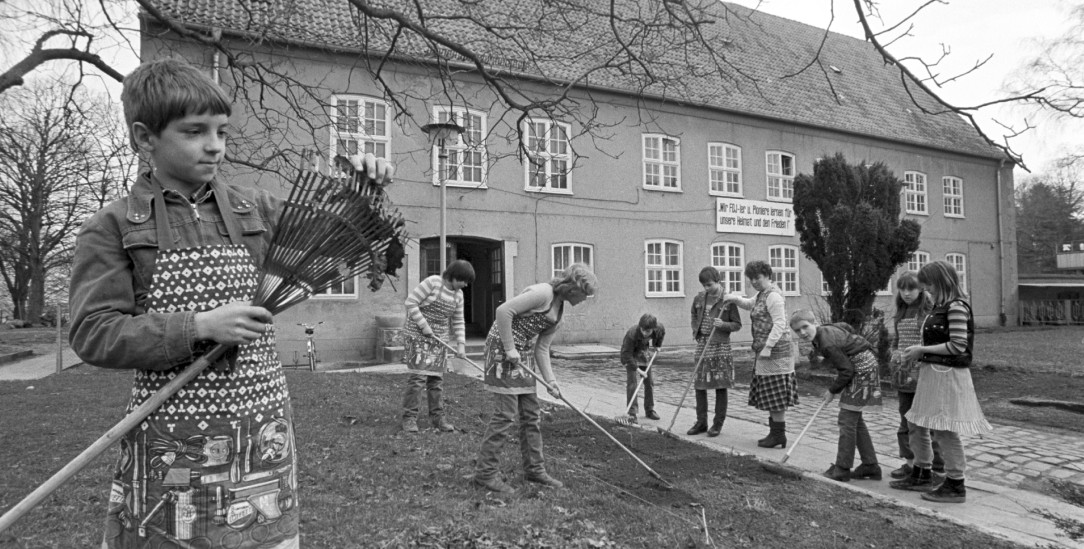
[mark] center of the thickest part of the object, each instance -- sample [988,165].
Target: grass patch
[364,483]
[1038,350]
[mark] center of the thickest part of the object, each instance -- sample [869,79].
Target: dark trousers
[721,401]
[508,408]
[631,380]
[853,434]
[433,389]
[903,434]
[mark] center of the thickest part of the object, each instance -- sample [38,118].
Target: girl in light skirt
[945,405]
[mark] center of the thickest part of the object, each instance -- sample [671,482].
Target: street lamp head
[439,131]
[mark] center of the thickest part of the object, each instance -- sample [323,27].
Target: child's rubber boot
[921,480]
[950,491]
[777,435]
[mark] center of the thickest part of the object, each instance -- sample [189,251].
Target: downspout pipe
[1001,319]
[216,34]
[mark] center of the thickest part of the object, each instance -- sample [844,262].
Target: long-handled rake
[696,372]
[539,379]
[624,419]
[807,425]
[329,230]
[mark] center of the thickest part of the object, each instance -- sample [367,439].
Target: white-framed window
[567,253]
[917,260]
[959,262]
[784,262]
[663,268]
[464,161]
[359,125]
[345,289]
[662,162]
[780,168]
[914,193]
[724,169]
[549,157]
[729,259]
[954,196]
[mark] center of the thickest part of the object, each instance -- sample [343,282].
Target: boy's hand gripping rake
[624,419]
[807,425]
[539,379]
[329,230]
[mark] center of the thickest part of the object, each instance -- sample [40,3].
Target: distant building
[707,182]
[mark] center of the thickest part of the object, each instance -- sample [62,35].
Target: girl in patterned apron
[520,338]
[775,386]
[912,305]
[434,311]
[712,322]
[858,384]
[160,277]
[945,406]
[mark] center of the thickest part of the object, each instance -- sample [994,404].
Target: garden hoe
[624,419]
[696,372]
[807,425]
[539,379]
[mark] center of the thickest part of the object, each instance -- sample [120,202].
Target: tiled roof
[870,98]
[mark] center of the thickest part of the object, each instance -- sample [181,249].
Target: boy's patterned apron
[863,393]
[504,377]
[905,374]
[716,364]
[215,465]
[425,355]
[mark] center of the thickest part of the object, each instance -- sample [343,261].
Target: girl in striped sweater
[434,310]
[945,405]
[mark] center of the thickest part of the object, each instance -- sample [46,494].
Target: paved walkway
[37,367]
[998,463]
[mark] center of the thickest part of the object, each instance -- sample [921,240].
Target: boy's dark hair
[754,269]
[161,91]
[648,322]
[459,270]
[709,274]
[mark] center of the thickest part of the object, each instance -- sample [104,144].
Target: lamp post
[438,132]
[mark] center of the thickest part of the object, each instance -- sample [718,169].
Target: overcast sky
[972,30]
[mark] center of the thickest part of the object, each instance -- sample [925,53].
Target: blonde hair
[802,314]
[578,276]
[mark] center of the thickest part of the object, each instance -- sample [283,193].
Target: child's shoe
[777,435]
[697,428]
[950,491]
[867,471]
[492,484]
[544,479]
[903,472]
[410,425]
[442,425]
[652,415]
[921,480]
[716,428]
[835,472]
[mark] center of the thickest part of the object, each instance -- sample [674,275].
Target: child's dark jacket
[114,263]
[837,343]
[728,313]
[634,346]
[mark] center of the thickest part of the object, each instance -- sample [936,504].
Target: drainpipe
[1000,250]
[216,35]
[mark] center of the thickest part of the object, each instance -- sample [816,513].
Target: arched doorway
[481,298]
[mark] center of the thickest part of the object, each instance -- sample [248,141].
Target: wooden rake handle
[111,436]
[640,383]
[578,411]
[807,425]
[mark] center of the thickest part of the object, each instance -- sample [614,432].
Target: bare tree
[51,166]
[536,62]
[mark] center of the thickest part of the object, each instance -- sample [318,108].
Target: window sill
[725,194]
[546,190]
[663,189]
[667,295]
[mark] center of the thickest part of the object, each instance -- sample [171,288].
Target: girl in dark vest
[945,404]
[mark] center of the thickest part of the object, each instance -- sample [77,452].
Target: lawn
[367,484]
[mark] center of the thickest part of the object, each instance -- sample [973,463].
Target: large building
[699,175]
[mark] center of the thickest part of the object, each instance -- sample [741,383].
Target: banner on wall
[736,215]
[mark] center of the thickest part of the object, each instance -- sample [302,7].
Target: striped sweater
[430,290]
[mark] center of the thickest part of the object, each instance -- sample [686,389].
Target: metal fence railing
[1052,311]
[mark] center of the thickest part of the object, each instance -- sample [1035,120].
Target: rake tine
[578,411]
